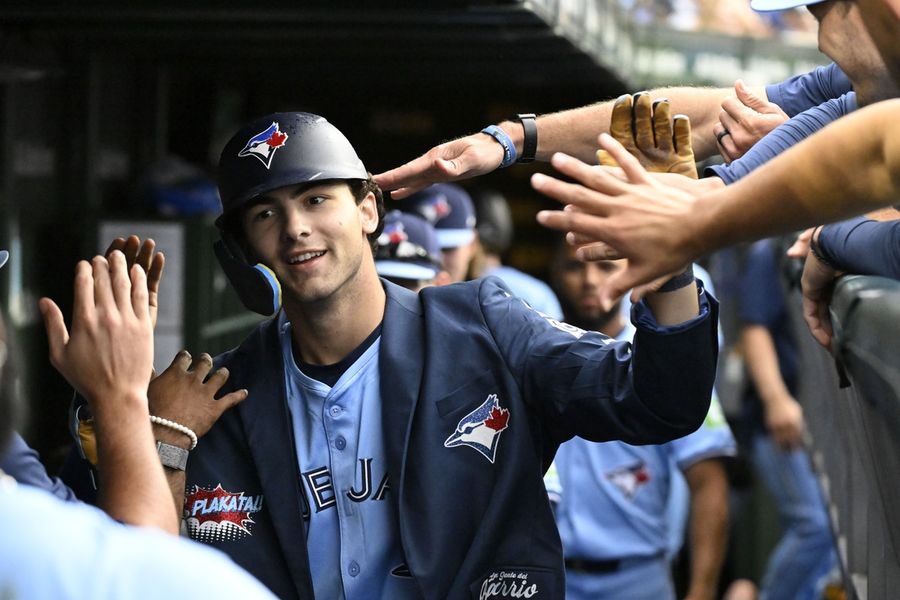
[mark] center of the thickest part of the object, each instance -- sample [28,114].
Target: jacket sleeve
[586,384]
[24,465]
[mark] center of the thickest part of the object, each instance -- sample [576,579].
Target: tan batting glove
[660,142]
[87,439]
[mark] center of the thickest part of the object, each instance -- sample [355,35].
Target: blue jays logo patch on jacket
[264,144]
[481,428]
[216,515]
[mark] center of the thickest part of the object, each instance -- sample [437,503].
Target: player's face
[882,19]
[843,38]
[456,261]
[578,285]
[313,238]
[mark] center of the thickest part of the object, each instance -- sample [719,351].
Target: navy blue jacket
[464,521]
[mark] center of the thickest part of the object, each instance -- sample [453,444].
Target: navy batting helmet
[271,152]
[494,222]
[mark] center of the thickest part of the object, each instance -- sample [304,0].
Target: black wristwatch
[529,141]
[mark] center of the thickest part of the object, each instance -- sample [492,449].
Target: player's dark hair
[360,189]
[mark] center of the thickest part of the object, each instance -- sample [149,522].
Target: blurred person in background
[495,230]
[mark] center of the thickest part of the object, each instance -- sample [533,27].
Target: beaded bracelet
[177,427]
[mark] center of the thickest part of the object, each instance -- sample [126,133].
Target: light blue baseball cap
[773,5]
[4,256]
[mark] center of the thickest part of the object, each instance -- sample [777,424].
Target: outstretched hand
[745,119]
[108,355]
[462,158]
[817,283]
[183,393]
[142,254]
[639,219]
[647,130]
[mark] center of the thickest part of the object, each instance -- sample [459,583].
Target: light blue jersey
[55,549]
[352,534]
[628,503]
[613,497]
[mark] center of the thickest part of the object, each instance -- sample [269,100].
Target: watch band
[172,456]
[530,139]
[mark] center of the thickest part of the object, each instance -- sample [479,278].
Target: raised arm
[108,358]
[847,168]
[572,131]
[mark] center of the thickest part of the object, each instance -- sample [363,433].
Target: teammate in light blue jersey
[618,506]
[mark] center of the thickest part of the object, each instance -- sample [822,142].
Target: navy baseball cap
[773,5]
[407,248]
[449,208]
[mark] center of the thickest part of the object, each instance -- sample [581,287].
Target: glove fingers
[605,159]
[642,120]
[662,124]
[684,146]
[620,122]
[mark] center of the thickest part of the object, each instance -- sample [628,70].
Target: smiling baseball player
[393,443]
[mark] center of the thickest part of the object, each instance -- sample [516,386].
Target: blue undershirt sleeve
[783,137]
[804,91]
[863,246]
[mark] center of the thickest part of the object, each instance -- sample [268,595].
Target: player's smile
[305,260]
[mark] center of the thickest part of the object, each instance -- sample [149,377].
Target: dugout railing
[851,402]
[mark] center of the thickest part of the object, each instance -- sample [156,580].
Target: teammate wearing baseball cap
[408,252]
[393,443]
[448,207]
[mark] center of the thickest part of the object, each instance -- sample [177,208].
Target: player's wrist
[116,406]
[169,436]
[516,134]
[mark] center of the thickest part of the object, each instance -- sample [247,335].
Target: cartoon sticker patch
[481,428]
[215,515]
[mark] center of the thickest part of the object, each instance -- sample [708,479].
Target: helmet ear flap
[256,285]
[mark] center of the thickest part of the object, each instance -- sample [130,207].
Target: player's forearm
[575,131]
[133,488]
[175,478]
[762,363]
[847,168]
[708,528]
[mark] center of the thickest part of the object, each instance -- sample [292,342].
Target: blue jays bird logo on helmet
[264,144]
[481,428]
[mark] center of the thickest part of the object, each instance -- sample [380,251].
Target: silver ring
[722,134]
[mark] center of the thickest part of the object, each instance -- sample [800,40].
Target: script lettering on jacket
[507,584]
[320,487]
